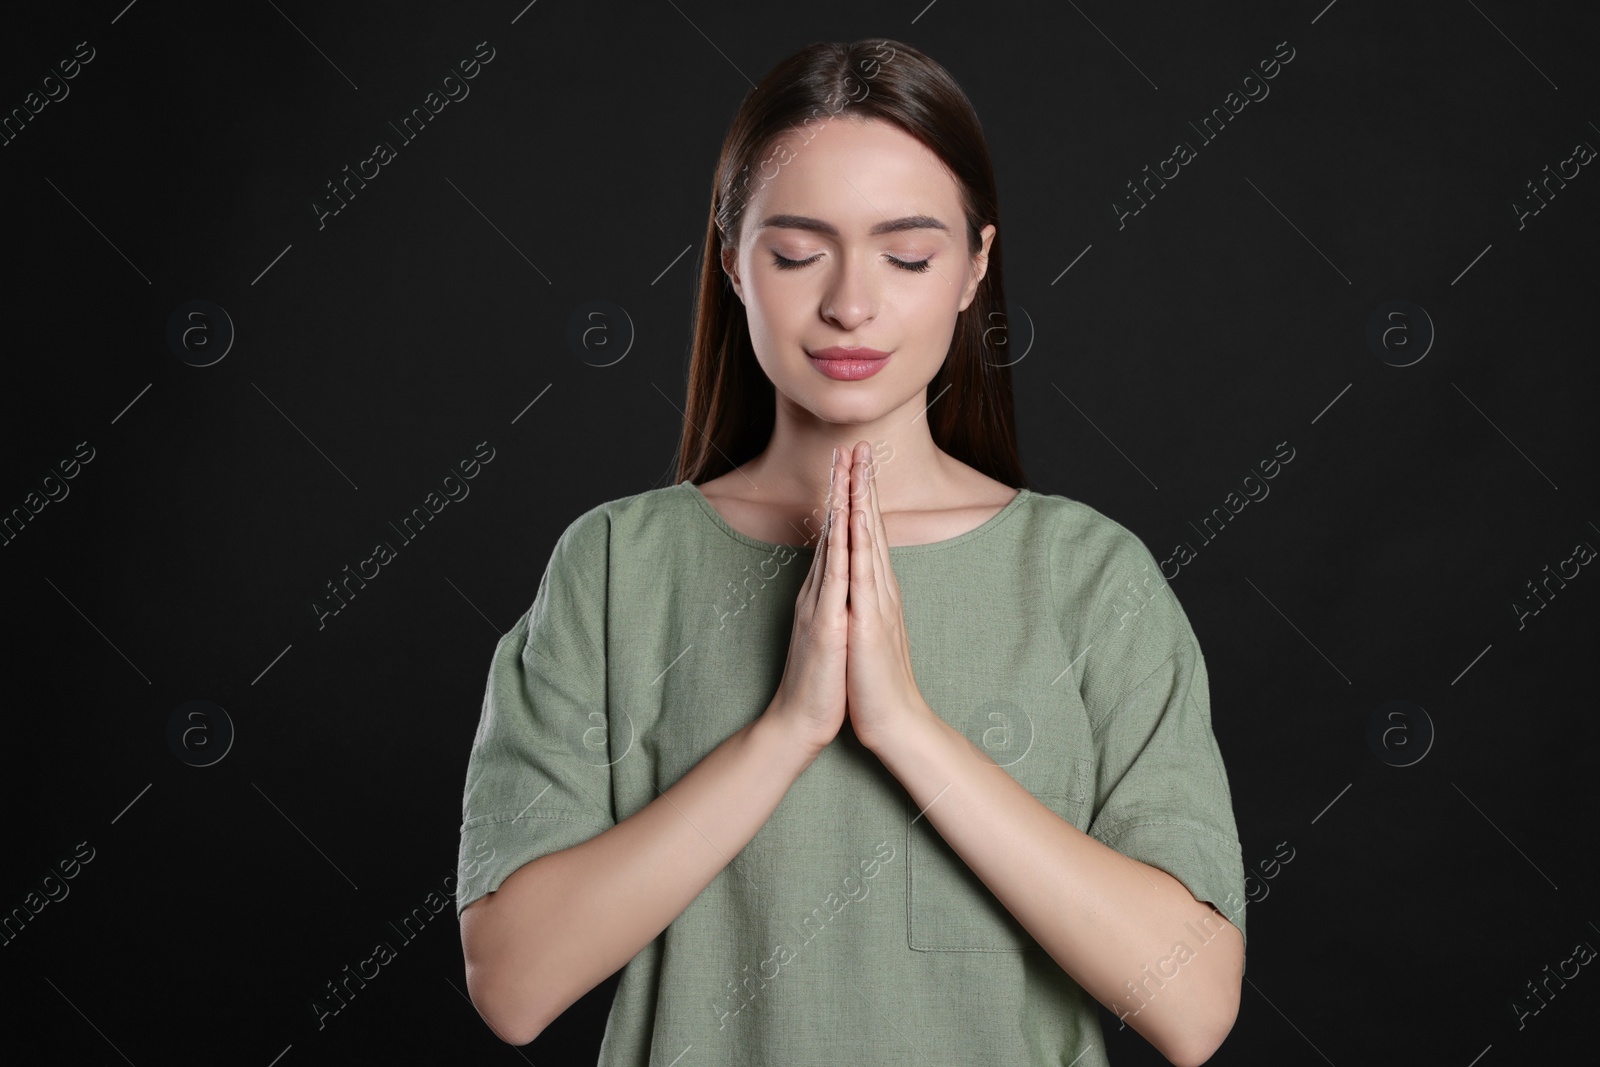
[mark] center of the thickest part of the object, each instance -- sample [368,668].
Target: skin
[854,174]
[1104,917]
[560,924]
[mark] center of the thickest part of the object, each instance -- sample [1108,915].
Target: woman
[886,759]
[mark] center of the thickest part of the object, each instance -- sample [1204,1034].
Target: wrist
[911,731]
[785,740]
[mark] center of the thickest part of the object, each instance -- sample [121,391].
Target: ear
[980,267]
[730,265]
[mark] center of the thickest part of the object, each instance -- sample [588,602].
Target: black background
[374,353]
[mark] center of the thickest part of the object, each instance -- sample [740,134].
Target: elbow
[523,1036]
[504,1013]
[1202,1040]
[511,1034]
[515,1031]
[1212,1015]
[1194,1055]
[501,996]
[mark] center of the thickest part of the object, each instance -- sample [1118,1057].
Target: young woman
[849,747]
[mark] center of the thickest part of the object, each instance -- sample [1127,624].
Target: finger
[888,584]
[819,552]
[880,532]
[874,522]
[862,560]
[836,575]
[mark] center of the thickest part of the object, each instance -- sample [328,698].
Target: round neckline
[894,550]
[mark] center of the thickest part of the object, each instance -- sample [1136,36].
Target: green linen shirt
[847,930]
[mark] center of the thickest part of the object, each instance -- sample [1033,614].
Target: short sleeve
[538,775]
[1161,791]
[1162,795]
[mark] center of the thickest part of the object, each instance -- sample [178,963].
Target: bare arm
[1116,925]
[1107,919]
[561,924]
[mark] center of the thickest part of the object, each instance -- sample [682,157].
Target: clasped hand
[848,652]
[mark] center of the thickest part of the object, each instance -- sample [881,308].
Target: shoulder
[716,488]
[978,489]
[1088,548]
[582,562]
[1108,585]
[642,518]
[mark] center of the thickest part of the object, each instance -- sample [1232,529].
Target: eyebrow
[804,222]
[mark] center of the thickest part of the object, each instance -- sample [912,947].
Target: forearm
[1107,919]
[561,924]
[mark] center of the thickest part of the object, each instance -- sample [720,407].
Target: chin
[850,411]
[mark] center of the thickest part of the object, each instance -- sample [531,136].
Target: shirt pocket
[948,908]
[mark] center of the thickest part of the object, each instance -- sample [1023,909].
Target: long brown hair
[731,404]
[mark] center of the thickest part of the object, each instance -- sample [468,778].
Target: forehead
[853,173]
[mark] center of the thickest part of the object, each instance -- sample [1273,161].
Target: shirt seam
[1132,689]
[1050,570]
[986,527]
[496,818]
[1139,822]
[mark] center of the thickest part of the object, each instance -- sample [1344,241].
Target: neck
[912,472]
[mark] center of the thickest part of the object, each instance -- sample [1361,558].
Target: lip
[848,364]
[841,352]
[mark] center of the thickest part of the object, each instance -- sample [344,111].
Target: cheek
[930,312]
[768,293]
[770,317]
[936,292]
[778,308]
[766,314]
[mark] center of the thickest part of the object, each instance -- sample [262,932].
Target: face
[858,241]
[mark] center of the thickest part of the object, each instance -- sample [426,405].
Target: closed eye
[918,266]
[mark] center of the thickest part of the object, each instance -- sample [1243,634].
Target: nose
[850,298]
